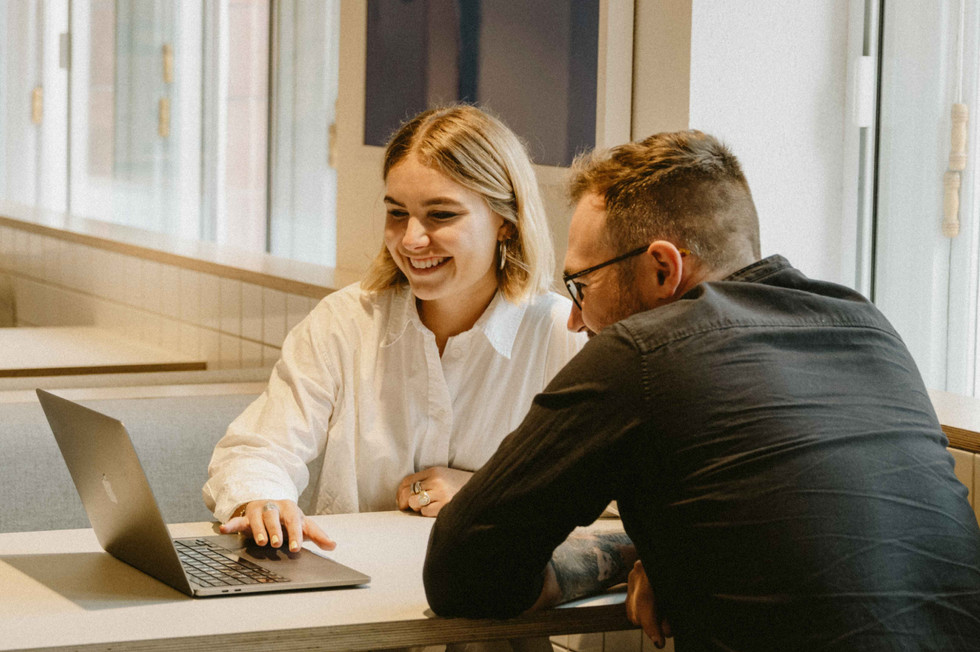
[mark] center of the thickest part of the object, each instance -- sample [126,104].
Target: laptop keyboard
[209,566]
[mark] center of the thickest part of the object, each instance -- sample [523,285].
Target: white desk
[61,591]
[62,350]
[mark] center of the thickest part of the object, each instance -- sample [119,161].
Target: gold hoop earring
[502,252]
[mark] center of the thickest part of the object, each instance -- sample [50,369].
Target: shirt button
[457,352]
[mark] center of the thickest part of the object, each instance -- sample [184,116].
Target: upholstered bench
[173,436]
[174,418]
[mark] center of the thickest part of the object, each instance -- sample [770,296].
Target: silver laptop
[127,521]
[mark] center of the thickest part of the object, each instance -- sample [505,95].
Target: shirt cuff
[230,500]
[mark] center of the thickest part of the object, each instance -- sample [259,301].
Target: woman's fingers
[234,525]
[405,492]
[431,498]
[261,519]
[411,487]
[429,490]
[299,527]
[265,520]
[318,536]
[269,517]
[292,517]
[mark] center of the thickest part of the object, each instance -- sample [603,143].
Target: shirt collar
[760,269]
[402,313]
[498,323]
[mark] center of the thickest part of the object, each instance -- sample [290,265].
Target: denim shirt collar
[760,270]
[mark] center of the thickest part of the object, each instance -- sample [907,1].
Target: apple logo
[108,489]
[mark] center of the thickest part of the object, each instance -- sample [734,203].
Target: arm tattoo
[590,563]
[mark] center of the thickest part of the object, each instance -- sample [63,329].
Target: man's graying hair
[685,187]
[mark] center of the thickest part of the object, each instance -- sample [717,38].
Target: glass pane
[926,280]
[170,109]
[532,63]
[302,223]
[135,140]
[173,117]
[242,113]
[33,111]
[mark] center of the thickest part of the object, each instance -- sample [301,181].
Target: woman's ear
[506,231]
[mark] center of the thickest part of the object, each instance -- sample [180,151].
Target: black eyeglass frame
[572,286]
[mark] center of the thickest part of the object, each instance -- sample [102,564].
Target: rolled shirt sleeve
[265,452]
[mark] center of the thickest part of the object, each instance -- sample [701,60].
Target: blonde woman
[405,384]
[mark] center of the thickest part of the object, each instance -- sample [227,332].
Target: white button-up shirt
[361,389]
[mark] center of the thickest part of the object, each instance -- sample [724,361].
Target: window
[204,119]
[925,271]
[222,120]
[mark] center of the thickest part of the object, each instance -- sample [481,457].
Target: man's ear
[666,270]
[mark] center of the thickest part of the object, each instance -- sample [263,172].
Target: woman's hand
[641,607]
[264,520]
[436,487]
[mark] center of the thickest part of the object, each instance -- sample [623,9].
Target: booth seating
[174,419]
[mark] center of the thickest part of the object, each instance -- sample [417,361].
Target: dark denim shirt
[777,463]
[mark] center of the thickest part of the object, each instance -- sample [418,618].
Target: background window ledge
[293,277]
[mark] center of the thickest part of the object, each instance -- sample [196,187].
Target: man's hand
[641,607]
[264,520]
[437,486]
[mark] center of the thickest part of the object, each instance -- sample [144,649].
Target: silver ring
[424,498]
[268,507]
[417,487]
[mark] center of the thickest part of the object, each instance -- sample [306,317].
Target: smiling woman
[386,381]
[443,238]
[472,151]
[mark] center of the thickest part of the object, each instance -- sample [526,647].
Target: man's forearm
[586,564]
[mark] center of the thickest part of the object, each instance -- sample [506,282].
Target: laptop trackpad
[301,566]
[254,552]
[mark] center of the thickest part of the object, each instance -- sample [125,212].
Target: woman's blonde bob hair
[479,152]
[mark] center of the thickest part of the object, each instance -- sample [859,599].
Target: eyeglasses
[576,290]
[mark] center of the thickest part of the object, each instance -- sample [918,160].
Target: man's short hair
[685,187]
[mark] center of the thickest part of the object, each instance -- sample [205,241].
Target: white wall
[768,78]
[661,67]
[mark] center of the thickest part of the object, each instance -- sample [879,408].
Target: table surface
[61,591]
[61,350]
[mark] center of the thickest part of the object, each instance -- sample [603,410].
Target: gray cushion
[174,438]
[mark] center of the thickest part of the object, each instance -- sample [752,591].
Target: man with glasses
[773,451]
